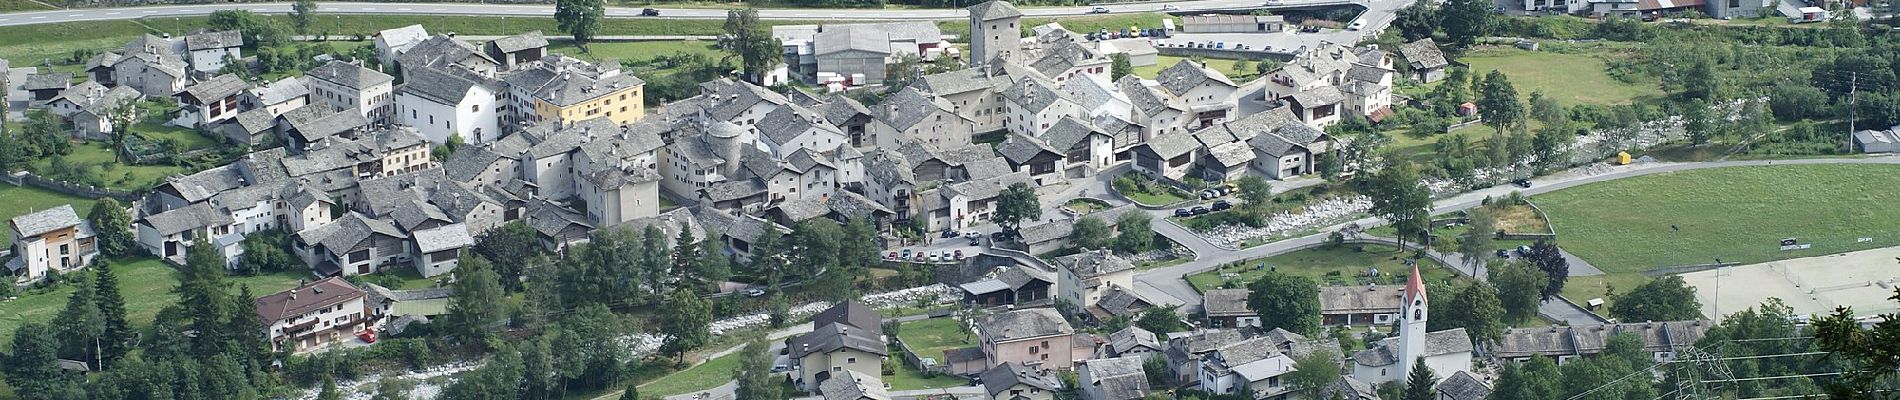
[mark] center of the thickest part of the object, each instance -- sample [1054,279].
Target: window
[852,360]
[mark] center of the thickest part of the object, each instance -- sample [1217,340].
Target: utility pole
[1853,102]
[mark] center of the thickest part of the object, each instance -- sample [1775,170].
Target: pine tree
[1420,385]
[654,257]
[632,393]
[118,334]
[33,366]
[80,326]
[329,391]
[200,289]
[476,306]
[246,330]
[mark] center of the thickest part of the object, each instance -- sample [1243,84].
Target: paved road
[1169,280]
[100,14]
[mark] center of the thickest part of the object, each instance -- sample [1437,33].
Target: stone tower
[1412,324]
[727,139]
[994,31]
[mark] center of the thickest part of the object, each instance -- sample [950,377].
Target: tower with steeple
[1412,324]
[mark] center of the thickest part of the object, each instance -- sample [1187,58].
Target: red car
[959,254]
[892,256]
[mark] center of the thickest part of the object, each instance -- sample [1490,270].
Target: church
[1447,352]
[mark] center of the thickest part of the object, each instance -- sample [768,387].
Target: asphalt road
[544,10]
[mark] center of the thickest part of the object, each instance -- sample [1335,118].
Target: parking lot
[1811,285]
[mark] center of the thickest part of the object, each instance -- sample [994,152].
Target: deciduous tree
[509,248]
[580,18]
[1475,244]
[1136,235]
[1311,372]
[1161,320]
[1417,21]
[1284,301]
[685,324]
[754,376]
[1477,310]
[1090,233]
[1016,204]
[476,308]
[1518,286]
[751,42]
[1664,299]
[1398,196]
[113,227]
[1545,255]
[1498,102]
[300,14]
[1465,21]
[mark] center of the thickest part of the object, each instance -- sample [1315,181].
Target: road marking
[150,12]
[438,9]
[112,13]
[40,17]
[405,9]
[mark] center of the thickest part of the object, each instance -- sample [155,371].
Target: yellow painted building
[569,90]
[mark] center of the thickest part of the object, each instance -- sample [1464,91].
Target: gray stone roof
[839,109]
[733,190]
[850,385]
[469,162]
[458,199]
[48,220]
[833,337]
[888,167]
[853,205]
[787,122]
[1131,338]
[993,166]
[105,59]
[250,123]
[1186,75]
[281,91]
[349,232]
[378,294]
[213,40]
[801,209]
[1272,144]
[1068,133]
[908,107]
[1318,97]
[1122,302]
[1462,385]
[1366,73]
[988,188]
[1231,154]
[1361,299]
[349,75]
[565,81]
[447,86]
[204,184]
[1146,100]
[1002,378]
[301,300]
[1092,91]
[165,63]
[849,312]
[550,219]
[1349,388]
[1023,324]
[217,88]
[740,227]
[1386,352]
[1173,145]
[1423,54]
[1092,264]
[954,82]
[1047,231]
[847,38]
[1591,339]
[443,51]
[316,122]
[1226,302]
[525,41]
[994,10]
[1061,57]
[1202,342]
[1034,95]
[446,237]
[1018,276]
[1118,378]
[48,81]
[1021,149]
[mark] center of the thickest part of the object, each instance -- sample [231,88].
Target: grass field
[930,337]
[1737,214]
[909,378]
[146,284]
[21,5]
[1568,78]
[1224,66]
[117,176]
[1347,262]
[1521,219]
[190,138]
[21,200]
[635,51]
[706,375]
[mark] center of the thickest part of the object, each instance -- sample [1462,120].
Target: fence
[1683,269]
[23,178]
[911,357]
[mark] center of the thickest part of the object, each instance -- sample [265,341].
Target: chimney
[293,294]
[451,34]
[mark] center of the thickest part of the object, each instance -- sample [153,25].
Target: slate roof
[47,81]
[217,88]
[346,233]
[846,38]
[1361,299]
[733,190]
[281,91]
[565,81]
[787,122]
[1118,378]
[888,167]
[446,86]
[213,40]
[1423,54]
[1323,95]
[1092,91]
[104,59]
[988,188]
[1021,149]
[1023,324]
[994,10]
[1385,352]
[1131,338]
[1462,385]
[1068,133]
[850,312]
[1226,302]
[469,162]
[1094,263]
[446,237]
[253,122]
[1122,302]
[853,205]
[304,299]
[1366,73]
[993,166]
[1231,154]
[908,107]
[1047,231]
[833,337]
[1034,95]
[954,82]
[1019,276]
[1174,145]
[204,184]
[839,109]
[1003,377]
[850,385]
[1591,339]
[349,75]
[378,294]
[401,39]
[736,98]
[739,227]
[1065,55]
[1186,75]
[525,41]
[48,220]
[1348,388]
[442,51]
[1272,144]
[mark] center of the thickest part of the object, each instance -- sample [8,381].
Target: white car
[754,292]
[1356,25]
[1169,7]
[1098,10]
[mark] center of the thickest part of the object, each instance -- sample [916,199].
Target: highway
[545,10]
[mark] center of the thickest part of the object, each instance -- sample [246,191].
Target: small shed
[1881,141]
[1467,109]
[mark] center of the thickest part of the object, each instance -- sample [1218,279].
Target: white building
[312,316]
[445,102]
[393,42]
[1446,352]
[343,86]
[209,50]
[50,240]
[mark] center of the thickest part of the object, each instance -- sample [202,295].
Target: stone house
[1018,382]
[345,86]
[50,240]
[1087,277]
[312,316]
[1119,378]
[516,50]
[209,50]
[1038,338]
[846,340]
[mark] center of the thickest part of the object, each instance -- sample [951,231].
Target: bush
[1791,102]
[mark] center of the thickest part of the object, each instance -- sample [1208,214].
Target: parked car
[1356,25]
[648,12]
[949,234]
[933,257]
[1207,194]
[1001,236]
[1098,10]
[892,256]
[1169,7]
[781,368]
[754,292]
[1273,2]
[1502,253]
[1220,205]
[906,254]
[1198,210]
[1523,183]
[1182,212]
[920,256]
[959,254]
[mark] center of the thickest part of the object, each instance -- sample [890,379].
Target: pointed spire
[1414,286]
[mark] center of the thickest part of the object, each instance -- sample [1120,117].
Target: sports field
[1736,214]
[1811,285]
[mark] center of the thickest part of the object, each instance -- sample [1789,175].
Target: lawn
[909,378]
[21,5]
[1580,289]
[1085,206]
[191,139]
[146,284]
[117,176]
[1155,193]
[1737,214]
[635,51]
[1222,65]
[1338,266]
[930,337]
[21,200]
[706,375]
[1520,218]
[1569,78]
